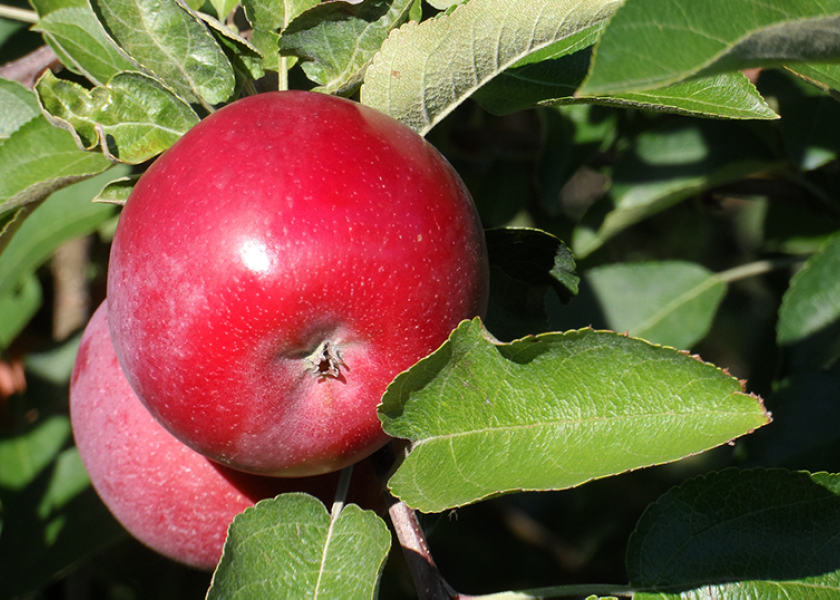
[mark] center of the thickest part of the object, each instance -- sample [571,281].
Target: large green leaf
[551,412]
[654,43]
[133,118]
[424,71]
[168,40]
[670,303]
[740,534]
[554,81]
[336,41]
[38,159]
[291,547]
[75,33]
[813,300]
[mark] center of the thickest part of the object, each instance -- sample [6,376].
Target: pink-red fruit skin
[276,268]
[165,494]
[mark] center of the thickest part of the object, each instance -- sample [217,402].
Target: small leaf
[117,191]
[291,547]
[165,38]
[746,534]
[654,43]
[38,159]
[19,106]
[18,307]
[223,7]
[268,18]
[133,118]
[670,303]
[812,302]
[77,34]
[336,40]
[424,71]
[552,412]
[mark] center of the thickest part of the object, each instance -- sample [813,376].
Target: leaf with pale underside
[740,534]
[552,412]
[269,18]
[424,71]
[336,40]
[654,43]
[77,35]
[291,547]
[165,38]
[19,106]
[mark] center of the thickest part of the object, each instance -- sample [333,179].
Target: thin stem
[18,14]
[341,491]
[758,268]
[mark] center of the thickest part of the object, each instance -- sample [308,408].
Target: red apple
[165,494]
[277,267]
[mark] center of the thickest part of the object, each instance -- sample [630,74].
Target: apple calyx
[326,361]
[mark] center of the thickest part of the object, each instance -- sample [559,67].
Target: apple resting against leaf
[278,266]
[166,495]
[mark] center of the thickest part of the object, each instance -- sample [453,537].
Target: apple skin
[171,498]
[275,269]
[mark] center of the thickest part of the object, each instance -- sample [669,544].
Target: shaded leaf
[291,547]
[169,41]
[337,40]
[823,76]
[426,70]
[18,306]
[654,43]
[746,534]
[269,18]
[552,412]
[671,303]
[813,300]
[667,164]
[132,119]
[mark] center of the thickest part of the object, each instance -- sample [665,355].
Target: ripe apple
[165,494]
[277,267]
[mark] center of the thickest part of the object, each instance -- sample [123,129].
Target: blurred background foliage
[725,210]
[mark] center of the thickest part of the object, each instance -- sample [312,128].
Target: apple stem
[341,491]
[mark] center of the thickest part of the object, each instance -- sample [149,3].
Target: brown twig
[427,579]
[28,68]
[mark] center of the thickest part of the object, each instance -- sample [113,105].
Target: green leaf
[812,302]
[554,81]
[168,40]
[823,76]
[291,547]
[667,164]
[552,412]
[745,534]
[26,456]
[117,191]
[424,71]
[268,18]
[223,7]
[67,214]
[336,40]
[18,306]
[19,106]
[670,303]
[133,118]
[655,43]
[76,33]
[38,159]
[244,57]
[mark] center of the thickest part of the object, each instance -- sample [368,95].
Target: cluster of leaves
[627,129]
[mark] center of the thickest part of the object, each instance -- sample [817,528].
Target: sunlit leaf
[552,412]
